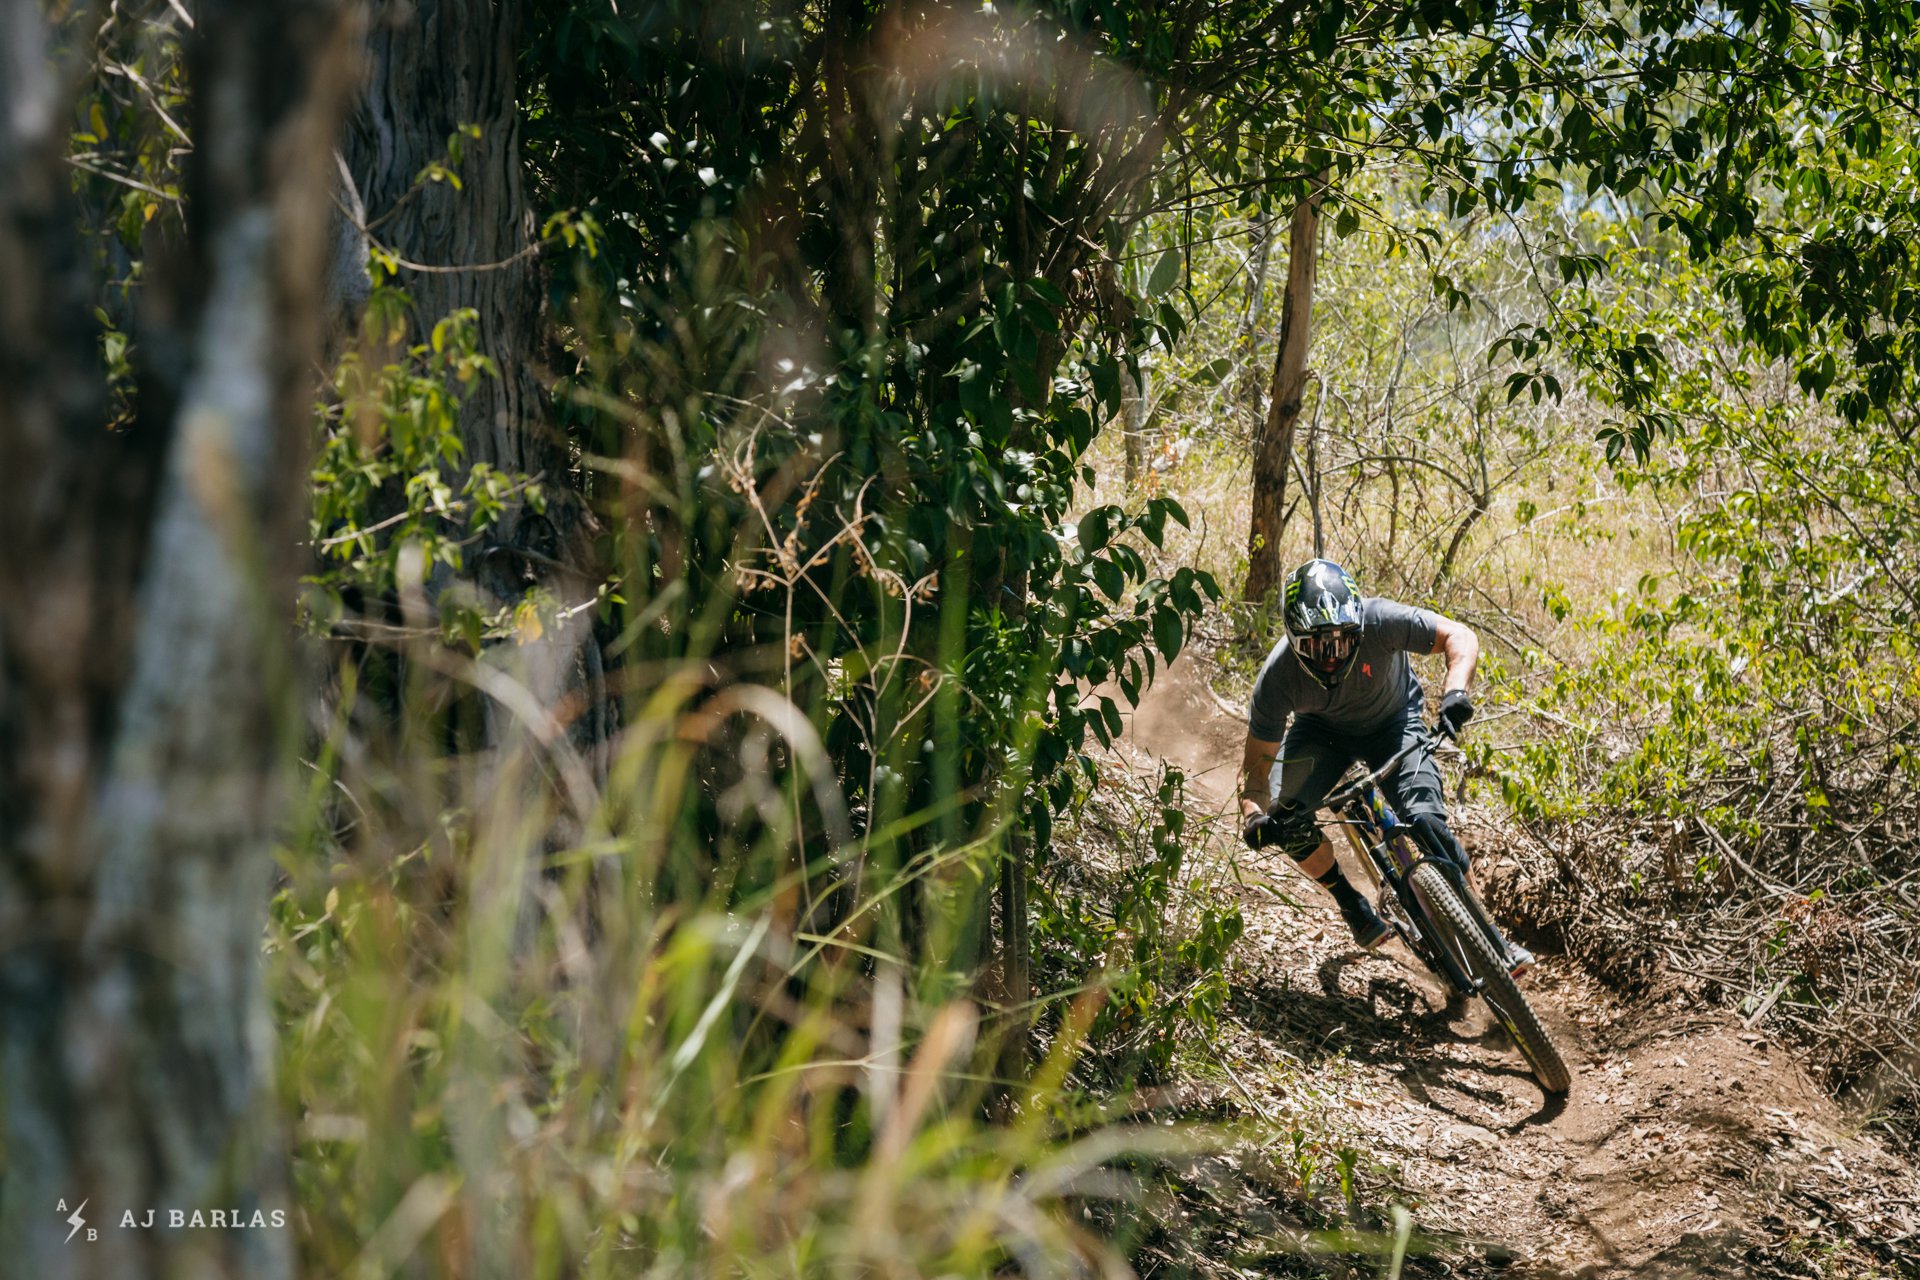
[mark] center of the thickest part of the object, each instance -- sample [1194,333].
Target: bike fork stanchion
[1474,906]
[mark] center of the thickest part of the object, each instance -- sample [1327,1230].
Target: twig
[1721,842]
[1753,1018]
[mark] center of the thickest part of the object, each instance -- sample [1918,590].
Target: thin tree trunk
[1133,417]
[1016,958]
[1460,532]
[1482,502]
[1312,481]
[1015,970]
[144,660]
[1246,343]
[1133,393]
[1273,450]
[1259,254]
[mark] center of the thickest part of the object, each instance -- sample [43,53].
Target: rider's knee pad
[1431,832]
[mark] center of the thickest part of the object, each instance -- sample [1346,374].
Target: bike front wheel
[1477,957]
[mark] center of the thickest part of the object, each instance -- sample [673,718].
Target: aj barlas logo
[177,1220]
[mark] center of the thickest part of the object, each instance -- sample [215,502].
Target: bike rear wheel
[1461,935]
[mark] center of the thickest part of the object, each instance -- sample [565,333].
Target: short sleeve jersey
[1380,687]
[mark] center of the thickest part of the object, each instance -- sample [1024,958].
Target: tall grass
[509,1058]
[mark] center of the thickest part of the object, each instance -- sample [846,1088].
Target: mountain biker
[1341,673]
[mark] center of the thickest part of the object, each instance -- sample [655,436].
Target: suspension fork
[1457,876]
[1383,861]
[1377,857]
[1364,852]
[1462,981]
[1402,880]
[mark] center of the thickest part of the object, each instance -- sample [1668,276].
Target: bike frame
[1387,848]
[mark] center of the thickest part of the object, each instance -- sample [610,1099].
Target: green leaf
[1209,374]
[1047,293]
[1095,528]
[1168,632]
[1153,523]
[1106,383]
[1166,273]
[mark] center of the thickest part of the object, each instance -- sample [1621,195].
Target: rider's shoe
[1369,930]
[1519,959]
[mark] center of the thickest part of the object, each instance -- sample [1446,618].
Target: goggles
[1327,646]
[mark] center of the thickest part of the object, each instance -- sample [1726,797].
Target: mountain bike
[1427,900]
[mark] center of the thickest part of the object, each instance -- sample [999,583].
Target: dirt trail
[1688,1146]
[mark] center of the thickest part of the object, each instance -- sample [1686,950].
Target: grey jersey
[1380,687]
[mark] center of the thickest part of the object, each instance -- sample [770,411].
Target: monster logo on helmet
[1324,620]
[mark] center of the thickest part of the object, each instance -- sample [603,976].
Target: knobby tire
[1461,934]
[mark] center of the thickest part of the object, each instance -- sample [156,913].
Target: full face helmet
[1324,621]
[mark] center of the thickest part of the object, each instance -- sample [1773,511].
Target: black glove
[1456,708]
[1258,830]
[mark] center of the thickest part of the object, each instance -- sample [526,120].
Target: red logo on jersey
[1366,669]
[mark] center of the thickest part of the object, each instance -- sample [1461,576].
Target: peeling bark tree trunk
[1273,449]
[144,657]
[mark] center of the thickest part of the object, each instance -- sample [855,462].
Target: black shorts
[1313,758]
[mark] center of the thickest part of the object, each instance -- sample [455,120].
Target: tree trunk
[1481,497]
[440,70]
[1012,982]
[1273,449]
[1459,540]
[144,659]
[1133,391]
[1313,483]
